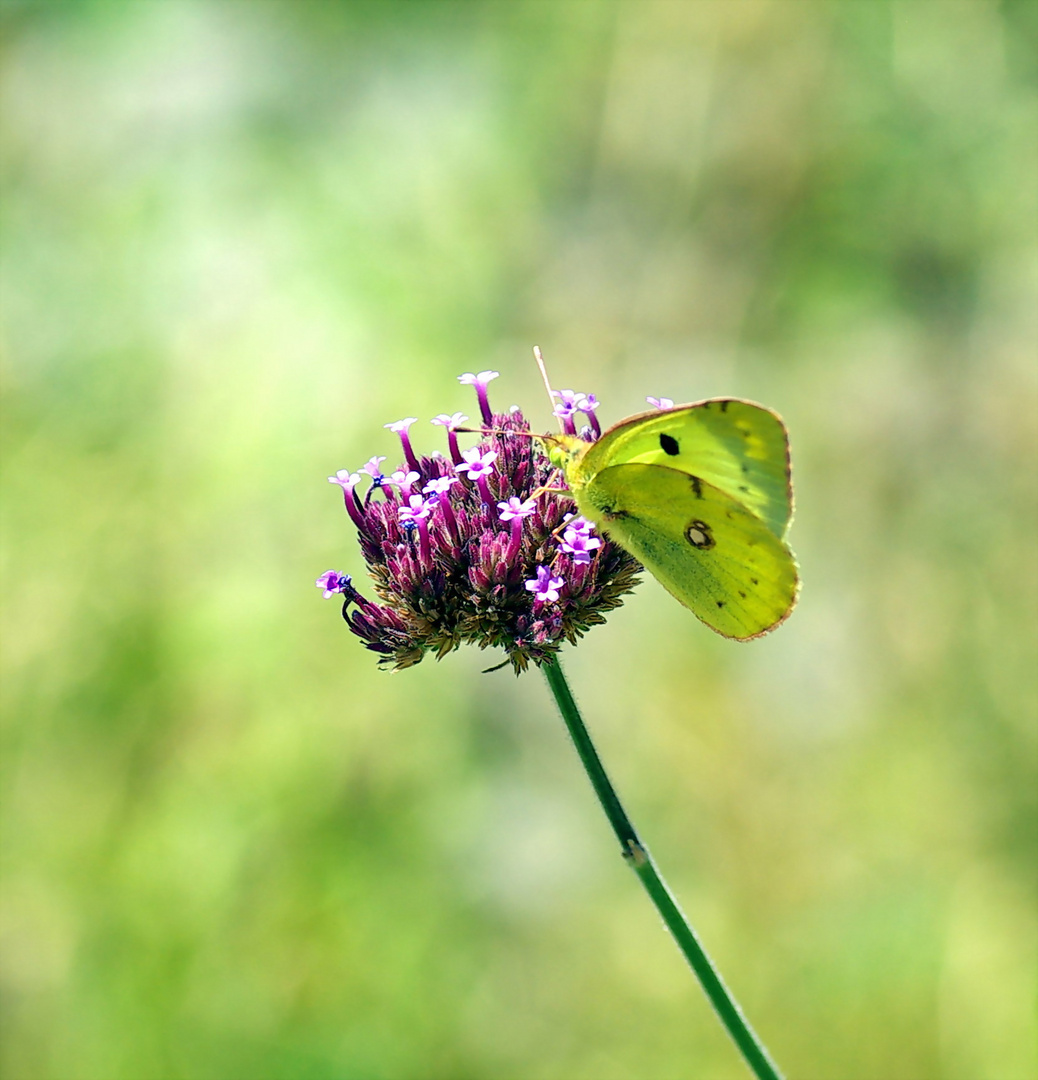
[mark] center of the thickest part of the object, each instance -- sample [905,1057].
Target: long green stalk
[638,857]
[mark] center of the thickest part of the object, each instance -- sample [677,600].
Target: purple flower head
[458,552]
[545,587]
[401,426]
[480,382]
[332,582]
[660,402]
[475,464]
[515,509]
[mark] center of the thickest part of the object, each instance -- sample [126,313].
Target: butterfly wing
[737,446]
[714,555]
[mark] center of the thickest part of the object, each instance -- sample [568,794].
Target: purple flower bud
[480,382]
[400,427]
[660,402]
[545,587]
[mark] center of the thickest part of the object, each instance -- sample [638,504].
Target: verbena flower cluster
[466,547]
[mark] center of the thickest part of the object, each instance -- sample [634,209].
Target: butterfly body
[700,494]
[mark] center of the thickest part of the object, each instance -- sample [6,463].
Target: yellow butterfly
[702,496]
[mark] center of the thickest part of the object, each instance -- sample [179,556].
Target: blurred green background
[241,237]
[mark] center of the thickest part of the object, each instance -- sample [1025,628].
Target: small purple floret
[373,467]
[545,587]
[480,382]
[348,481]
[400,428]
[660,402]
[332,582]
[403,480]
[577,541]
[440,486]
[516,509]
[451,423]
[588,405]
[475,464]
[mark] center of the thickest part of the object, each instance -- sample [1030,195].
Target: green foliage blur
[238,238]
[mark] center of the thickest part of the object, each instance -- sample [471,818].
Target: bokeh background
[239,237]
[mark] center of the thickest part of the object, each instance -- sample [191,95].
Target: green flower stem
[638,857]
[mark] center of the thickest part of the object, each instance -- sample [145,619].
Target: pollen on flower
[464,547]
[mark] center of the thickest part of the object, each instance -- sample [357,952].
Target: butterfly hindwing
[714,555]
[737,446]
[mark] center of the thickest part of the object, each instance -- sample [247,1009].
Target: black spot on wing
[699,535]
[724,406]
[697,486]
[720,603]
[669,445]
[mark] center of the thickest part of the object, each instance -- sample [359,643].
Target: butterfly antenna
[547,385]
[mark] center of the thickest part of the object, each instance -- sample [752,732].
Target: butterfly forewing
[737,446]
[717,557]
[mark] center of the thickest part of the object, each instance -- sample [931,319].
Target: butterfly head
[564,451]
